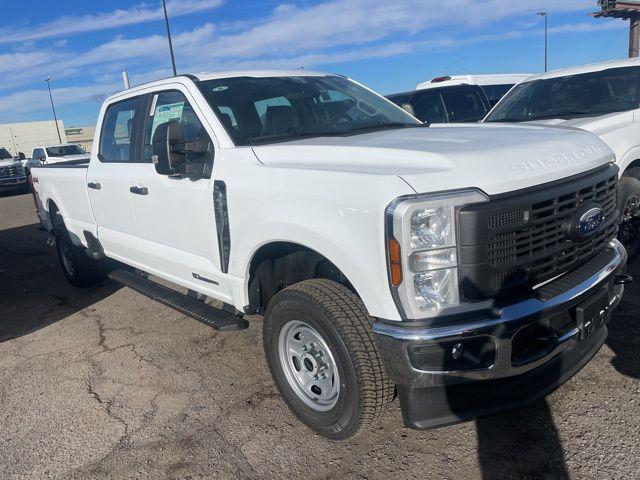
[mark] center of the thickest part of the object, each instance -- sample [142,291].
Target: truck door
[175,216]
[108,180]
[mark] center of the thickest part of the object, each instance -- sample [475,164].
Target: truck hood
[6,162]
[600,125]
[494,158]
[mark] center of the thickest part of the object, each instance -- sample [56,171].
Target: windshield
[64,150]
[4,154]
[588,94]
[275,109]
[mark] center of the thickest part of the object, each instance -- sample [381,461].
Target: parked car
[494,86]
[458,104]
[603,98]
[12,176]
[386,257]
[52,154]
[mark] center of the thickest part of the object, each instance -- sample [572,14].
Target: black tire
[629,205]
[342,321]
[80,270]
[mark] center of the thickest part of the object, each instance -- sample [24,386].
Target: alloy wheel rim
[308,365]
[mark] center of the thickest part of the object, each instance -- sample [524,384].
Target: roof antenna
[166,22]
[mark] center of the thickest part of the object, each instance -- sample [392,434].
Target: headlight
[423,252]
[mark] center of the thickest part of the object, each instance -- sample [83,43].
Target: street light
[166,22]
[544,14]
[55,119]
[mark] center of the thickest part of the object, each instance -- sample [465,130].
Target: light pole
[55,119]
[544,14]
[166,22]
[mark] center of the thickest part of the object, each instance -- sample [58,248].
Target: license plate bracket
[593,313]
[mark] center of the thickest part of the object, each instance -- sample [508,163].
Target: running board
[197,309]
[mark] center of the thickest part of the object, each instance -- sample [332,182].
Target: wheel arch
[278,264]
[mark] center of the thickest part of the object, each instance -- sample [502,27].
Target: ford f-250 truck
[466,270]
[12,176]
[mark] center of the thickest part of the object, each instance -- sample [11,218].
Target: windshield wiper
[384,125]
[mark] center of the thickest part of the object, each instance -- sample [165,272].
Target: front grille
[11,171]
[523,239]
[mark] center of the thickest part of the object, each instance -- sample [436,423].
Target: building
[81,135]
[23,137]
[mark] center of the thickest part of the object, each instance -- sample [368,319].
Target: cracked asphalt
[104,383]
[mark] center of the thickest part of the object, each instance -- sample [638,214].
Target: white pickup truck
[467,270]
[59,153]
[12,176]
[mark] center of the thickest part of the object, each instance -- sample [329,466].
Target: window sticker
[166,113]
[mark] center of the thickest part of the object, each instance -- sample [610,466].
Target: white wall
[23,137]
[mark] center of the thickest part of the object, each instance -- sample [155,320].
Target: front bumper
[509,356]
[13,182]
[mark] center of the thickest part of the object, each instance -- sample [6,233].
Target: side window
[115,136]
[428,107]
[37,153]
[172,106]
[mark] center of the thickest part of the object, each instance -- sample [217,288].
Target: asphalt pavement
[105,383]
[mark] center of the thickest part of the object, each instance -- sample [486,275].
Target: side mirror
[42,158]
[165,159]
[174,156]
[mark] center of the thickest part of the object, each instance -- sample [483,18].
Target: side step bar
[211,316]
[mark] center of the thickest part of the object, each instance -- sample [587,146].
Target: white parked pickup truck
[602,98]
[12,176]
[52,154]
[467,270]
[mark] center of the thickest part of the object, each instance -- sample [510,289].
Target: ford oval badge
[586,222]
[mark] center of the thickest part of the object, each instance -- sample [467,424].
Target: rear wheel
[80,270]
[320,348]
[629,205]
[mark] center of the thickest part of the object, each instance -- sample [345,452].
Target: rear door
[108,180]
[175,215]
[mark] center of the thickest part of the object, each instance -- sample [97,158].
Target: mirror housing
[174,156]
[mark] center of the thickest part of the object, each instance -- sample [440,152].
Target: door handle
[139,190]
[94,185]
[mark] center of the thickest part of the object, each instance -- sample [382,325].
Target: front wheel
[321,352]
[629,205]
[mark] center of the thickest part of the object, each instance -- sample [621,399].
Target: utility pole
[544,14]
[55,118]
[166,22]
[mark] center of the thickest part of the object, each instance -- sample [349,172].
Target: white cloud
[71,25]
[291,36]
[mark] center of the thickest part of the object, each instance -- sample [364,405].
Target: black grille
[11,171]
[523,239]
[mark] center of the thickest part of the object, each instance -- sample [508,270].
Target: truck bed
[65,185]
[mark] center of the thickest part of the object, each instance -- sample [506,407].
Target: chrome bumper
[499,327]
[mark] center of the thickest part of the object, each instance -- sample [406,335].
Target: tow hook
[622,279]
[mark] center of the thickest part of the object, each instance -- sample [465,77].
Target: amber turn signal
[395,264]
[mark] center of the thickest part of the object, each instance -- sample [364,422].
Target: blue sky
[388,45]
